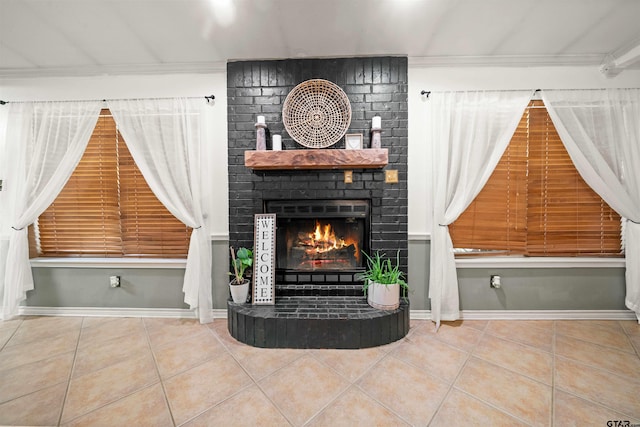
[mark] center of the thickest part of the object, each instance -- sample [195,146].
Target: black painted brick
[261,87]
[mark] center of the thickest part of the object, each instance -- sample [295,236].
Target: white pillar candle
[261,119]
[376,122]
[277,142]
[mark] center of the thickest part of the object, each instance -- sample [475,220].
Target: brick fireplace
[372,209]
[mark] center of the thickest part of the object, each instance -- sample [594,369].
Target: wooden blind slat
[536,203]
[106,209]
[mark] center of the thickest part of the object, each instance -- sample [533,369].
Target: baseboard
[177,313]
[414,314]
[534,315]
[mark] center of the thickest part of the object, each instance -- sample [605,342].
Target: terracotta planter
[239,292]
[383,297]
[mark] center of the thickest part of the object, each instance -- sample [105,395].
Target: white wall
[478,78]
[420,78]
[148,86]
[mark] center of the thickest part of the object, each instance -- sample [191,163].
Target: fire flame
[323,239]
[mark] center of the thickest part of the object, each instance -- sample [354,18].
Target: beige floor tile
[416,325]
[159,322]
[161,335]
[5,335]
[432,356]
[618,362]
[41,408]
[572,411]
[512,393]
[91,358]
[534,333]
[480,325]
[248,408]
[354,408]
[90,322]
[37,328]
[351,364]
[392,382]
[198,389]
[99,388]
[460,409]
[146,407]
[613,391]
[607,333]
[33,351]
[105,331]
[457,335]
[11,324]
[182,355]
[261,362]
[26,379]
[631,327]
[522,359]
[635,341]
[303,388]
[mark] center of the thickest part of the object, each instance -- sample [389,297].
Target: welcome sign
[264,244]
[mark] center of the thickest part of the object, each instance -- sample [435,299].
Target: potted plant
[382,282]
[239,286]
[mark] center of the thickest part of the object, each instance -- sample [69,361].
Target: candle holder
[261,136]
[376,139]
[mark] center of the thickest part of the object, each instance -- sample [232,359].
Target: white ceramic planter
[383,297]
[239,292]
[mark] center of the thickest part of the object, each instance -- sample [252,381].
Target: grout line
[73,367]
[155,365]
[11,336]
[460,370]
[257,382]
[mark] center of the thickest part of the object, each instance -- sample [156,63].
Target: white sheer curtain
[44,143]
[469,133]
[601,132]
[163,136]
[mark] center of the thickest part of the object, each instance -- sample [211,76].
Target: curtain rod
[207,97]
[428,92]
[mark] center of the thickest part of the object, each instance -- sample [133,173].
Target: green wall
[522,289]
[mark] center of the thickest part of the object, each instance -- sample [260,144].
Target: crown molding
[506,61]
[113,70]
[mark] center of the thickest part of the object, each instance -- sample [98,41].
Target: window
[536,203]
[106,209]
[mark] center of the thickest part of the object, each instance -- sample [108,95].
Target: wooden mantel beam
[369,158]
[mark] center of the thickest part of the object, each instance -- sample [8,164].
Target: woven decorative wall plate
[316,113]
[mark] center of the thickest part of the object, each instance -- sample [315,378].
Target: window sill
[540,262]
[108,263]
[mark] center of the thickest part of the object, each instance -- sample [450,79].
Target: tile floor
[157,372]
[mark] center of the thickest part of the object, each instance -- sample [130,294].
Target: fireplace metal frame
[321,209]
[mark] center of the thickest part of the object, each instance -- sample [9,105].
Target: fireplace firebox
[320,240]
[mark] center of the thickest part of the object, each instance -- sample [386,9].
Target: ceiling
[89,37]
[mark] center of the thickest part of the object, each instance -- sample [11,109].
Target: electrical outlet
[114,281]
[494,282]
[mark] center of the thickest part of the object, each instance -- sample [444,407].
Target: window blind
[536,203]
[106,209]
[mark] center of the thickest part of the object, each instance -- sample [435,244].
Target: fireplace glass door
[320,244]
[320,235]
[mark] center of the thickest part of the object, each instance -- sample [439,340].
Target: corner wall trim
[180,313]
[534,315]
[175,313]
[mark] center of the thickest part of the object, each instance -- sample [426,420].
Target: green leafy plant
[381,270]
[240,260]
